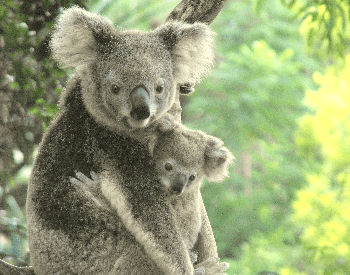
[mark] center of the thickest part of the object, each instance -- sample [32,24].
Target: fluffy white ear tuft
[77,36]
[191,47]
[217,160]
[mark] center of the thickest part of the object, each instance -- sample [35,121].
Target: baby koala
[182,157]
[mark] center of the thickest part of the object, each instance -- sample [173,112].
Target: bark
[191,11]
[188,11]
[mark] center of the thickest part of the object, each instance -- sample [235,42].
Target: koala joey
[183,157]
[124,81]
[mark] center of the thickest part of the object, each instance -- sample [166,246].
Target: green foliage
[322,207]
[14,221]
[139,14]
[252,100]
[259,68]
[248,85]
[325,24]
[269,251]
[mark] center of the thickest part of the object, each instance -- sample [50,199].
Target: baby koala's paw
[193,257]
[217,160]
[165,123]
[211,267]
[89,187]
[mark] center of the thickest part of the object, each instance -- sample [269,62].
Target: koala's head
[183,157]
[129,78]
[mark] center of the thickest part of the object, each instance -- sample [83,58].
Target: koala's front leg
[91,188]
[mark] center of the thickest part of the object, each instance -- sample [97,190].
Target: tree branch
[191,11]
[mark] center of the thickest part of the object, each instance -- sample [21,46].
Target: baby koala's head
[184,157]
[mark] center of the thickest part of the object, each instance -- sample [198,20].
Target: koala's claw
[193,257]
[187,88]
[84,179]
[94,177]
[199,271]
[211,266]
[89,187]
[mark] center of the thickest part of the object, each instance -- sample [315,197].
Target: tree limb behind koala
[191,11]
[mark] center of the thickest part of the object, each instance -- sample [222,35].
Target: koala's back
[67,233]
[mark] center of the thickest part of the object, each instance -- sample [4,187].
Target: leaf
[13,205]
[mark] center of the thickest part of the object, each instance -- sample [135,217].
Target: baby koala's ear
[191,47]
[78,36]
[217,160]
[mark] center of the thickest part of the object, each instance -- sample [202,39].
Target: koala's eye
[192,177]
[168,166]
[159,89]
[115,89]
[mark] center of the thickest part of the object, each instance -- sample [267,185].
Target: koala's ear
[191,47]
[78,36]
[217,160]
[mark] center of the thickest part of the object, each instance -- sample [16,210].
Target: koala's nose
[140,103]
[179,184]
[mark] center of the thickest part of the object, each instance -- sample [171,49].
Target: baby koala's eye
[192,177]
[159,89]
[115,89]
[168,166]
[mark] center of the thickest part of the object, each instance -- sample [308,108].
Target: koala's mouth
[133,124]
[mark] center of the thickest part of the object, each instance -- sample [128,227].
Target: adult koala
[124,81]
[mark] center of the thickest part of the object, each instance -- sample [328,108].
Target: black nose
[179,184]
[140,103]
[140,113]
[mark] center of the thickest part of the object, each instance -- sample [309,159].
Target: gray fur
[189,153]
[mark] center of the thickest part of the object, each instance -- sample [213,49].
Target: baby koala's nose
[140,103]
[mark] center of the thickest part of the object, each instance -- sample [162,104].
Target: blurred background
[278,96]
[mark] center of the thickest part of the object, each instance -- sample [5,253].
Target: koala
[124,82]
[183,157]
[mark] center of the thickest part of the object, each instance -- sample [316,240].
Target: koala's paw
[89,187]
[211,267]
[218,159]
[165,123]
[187,88]
[193,257]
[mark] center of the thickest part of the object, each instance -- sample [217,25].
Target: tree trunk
[188,11]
